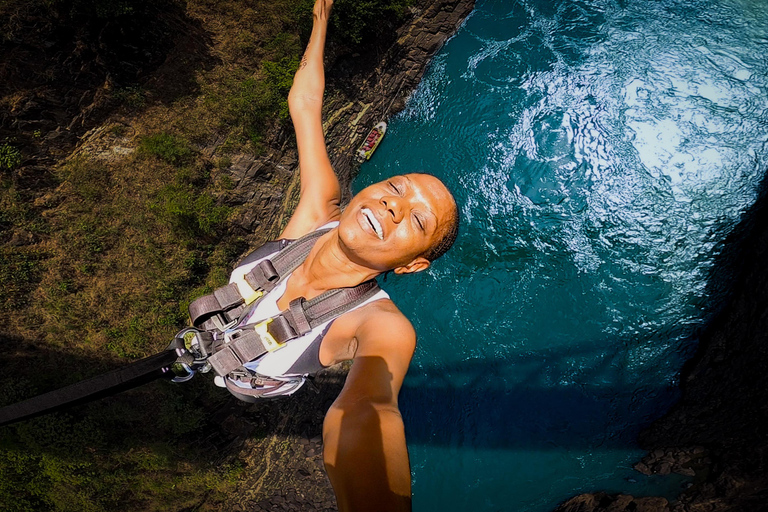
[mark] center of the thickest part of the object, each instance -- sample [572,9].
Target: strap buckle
[250,299]
[221,324]
[270,342]
[261,329]
[249,294]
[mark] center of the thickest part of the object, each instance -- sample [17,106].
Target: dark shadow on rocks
[718,431]
[65,66]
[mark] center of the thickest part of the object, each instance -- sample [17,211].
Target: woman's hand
[322,9]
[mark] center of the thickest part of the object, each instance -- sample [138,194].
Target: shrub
[249,106]
[131,96]
[170,148]
[279,79]
[10,157]
[284,44]
[355,22]
[190,213]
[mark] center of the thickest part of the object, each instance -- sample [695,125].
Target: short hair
[449,235]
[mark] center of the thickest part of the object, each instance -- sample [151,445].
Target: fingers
[322,9]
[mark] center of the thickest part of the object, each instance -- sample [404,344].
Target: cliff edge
[144,149]
[718,432]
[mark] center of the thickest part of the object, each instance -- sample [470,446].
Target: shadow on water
[474,407]
[486,411]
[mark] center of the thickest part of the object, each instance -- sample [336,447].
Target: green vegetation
[73,462]
[165,146]
[356,22]
[10,157]
[131,96]
[100,260]
[279,78]
[191,214]
[127,252]
[253,104]
[19,272]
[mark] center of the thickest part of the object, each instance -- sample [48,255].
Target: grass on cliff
[129,244]
[99,262]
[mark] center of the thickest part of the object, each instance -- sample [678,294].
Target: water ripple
[599,151]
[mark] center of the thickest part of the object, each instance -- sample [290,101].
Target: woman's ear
[417,265]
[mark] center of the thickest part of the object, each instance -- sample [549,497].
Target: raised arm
[364,439]
[320,192]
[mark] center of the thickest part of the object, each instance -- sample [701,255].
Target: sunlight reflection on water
[599,152]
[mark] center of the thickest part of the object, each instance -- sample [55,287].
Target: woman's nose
[394,207]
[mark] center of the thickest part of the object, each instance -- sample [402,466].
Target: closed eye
[419,222]
[394,188]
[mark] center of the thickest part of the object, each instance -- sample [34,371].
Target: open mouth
[374,222]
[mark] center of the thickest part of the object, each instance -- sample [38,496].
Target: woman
[401,224]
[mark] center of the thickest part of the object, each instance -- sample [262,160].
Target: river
[599,152]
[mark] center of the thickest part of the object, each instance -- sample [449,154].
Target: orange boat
[371,142]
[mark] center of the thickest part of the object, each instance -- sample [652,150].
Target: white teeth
[374,222]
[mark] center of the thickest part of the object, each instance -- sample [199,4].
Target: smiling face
[391,224]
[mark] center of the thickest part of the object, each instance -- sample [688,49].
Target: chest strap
[250,342]
[228,348]
[225,305]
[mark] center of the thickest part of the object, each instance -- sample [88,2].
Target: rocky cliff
[142,152]
[362,90]
[718,432]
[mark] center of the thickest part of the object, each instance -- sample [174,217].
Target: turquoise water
[599,151]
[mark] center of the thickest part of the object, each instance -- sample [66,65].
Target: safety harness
[220,339]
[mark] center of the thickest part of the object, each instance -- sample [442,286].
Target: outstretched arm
[364,439]
[320,192]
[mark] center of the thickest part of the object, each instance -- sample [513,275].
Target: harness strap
[134,374]
[253,341]
[225,305]
[261,387]
[221,307]
[219,311]
[333,303]
[268,273]
[297,317]
[243,346]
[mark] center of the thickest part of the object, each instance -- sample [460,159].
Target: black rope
[135,374]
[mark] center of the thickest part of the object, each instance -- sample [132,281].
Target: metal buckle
[179,367]
[220,325]
[231,335]
[249,294]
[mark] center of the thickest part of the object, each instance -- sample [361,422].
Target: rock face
[618,503]
[383,91]
[59,72]
[361,92]
[718,432]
